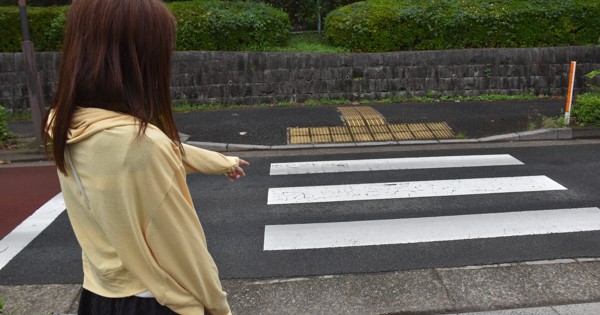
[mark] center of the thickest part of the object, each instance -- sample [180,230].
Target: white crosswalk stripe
[395,190]
[13,243]
[433,229]
[315,167]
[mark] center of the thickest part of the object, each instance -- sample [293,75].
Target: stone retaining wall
[252,78]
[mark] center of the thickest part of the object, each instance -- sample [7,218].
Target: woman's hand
[238,171]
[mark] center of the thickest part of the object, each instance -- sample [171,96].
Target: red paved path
[22,191]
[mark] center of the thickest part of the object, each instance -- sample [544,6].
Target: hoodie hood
[88,121]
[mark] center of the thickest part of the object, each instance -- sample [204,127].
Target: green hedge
[392,25]
[218,25]
[201,25]
[587,109]
[45,24]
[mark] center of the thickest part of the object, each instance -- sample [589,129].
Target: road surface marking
[429,229]
[12,244]
[339,166]
[396,190]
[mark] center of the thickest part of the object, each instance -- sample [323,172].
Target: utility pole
[319,16]
[34,86]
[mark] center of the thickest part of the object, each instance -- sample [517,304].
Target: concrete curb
[534,135]
[30,155]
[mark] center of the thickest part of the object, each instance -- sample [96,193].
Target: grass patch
[19,116]
[186,107]
[554,122]
[303,42]
[5,135]
[429,98]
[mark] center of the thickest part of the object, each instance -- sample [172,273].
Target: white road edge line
[429,229]
[396,190]
[15,241]
[339,166]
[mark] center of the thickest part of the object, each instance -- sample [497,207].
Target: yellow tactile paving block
[367,111]
[438,126]
[339,130]
[423,134]
[341,138]
[321,138]
[371,116]
[361,116]
[298,131]
[378,129]
[403,135]
[319,131]
[375,121]
[358,130]
[353,122]
[418,127]
[350,116]
[362,137]
[441,130]
[300,139]
[363,123]
[383,136]
[398,127]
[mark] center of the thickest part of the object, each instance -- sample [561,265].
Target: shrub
[201,25]
[4,135]
[587,109]
[46,27]
[303,13]
[591,76]
[391,25]
[218,25]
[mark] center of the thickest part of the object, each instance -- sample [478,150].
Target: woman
[122,166]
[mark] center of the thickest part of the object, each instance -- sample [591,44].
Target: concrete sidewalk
[568,287]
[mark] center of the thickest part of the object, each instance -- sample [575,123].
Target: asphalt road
[234,215]
[267,126]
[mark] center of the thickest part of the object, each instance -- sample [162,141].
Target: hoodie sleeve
[208,162]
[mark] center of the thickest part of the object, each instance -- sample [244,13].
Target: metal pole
[319,16]
[34,86]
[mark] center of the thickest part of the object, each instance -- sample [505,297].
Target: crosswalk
[318,235]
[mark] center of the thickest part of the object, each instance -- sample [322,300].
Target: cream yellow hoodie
[140,231]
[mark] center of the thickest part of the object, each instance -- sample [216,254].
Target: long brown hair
[116,56]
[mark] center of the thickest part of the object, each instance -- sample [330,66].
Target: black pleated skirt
[94,304]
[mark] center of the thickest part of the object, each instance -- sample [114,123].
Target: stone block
[7,66]
[417,72]
[586,132]
[7,79]
[360,60]
[504,137]
[540,134]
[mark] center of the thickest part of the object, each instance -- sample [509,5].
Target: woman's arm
[208,162]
